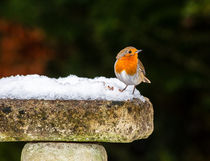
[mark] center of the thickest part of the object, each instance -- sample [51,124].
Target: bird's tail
[146,80]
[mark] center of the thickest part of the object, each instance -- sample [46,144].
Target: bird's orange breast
[127,63]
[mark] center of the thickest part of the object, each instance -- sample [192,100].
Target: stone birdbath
[63,129]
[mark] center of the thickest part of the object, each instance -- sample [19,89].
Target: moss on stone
[73,120]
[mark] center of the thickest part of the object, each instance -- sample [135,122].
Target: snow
[68,88]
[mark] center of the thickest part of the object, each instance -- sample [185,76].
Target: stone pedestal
[49,151]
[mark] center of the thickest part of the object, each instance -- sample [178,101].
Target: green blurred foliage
[175,38]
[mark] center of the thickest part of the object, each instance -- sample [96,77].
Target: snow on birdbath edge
[67,88]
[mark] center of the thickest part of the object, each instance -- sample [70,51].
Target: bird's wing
[141,67]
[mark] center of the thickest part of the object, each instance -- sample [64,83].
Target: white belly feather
[128,79]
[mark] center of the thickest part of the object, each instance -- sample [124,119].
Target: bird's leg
[121,90]
[134,89]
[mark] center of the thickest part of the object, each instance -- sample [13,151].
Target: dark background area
[82,37]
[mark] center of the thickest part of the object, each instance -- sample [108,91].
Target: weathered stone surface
[62,120]
[63,152]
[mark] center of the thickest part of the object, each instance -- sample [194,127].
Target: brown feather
[141,67]
[146,80]
[123,52]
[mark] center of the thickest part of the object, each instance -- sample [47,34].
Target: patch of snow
[68,88]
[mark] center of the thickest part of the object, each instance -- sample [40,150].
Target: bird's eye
[130,51]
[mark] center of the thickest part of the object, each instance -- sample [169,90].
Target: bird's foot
[121,90]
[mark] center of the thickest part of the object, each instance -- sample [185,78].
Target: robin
[129,69]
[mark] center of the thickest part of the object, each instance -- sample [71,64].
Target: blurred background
[82,37]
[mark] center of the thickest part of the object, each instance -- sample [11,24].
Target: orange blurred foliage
[22,50]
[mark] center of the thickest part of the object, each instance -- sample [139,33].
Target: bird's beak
[138,51]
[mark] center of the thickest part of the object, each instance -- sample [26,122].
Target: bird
[129,69]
